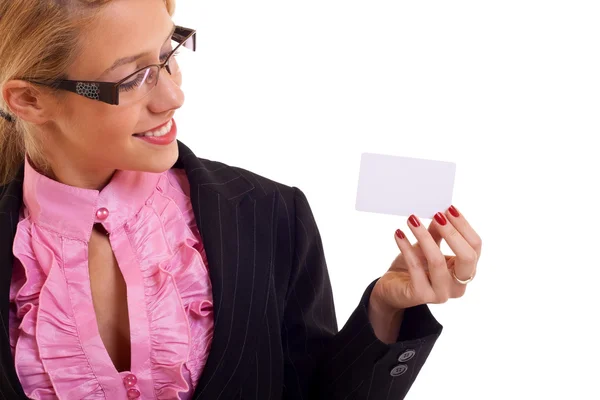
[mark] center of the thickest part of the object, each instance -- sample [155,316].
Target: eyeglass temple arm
[182,33]
[103,91]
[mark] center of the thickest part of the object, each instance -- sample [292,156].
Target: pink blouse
[54,335]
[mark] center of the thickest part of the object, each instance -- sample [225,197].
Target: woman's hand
[421,274]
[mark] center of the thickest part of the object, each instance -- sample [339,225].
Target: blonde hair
[38,39]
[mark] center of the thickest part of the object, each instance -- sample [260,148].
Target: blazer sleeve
[324,363]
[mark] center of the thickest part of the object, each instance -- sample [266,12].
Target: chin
[161,162]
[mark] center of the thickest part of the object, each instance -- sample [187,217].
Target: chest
[109,296]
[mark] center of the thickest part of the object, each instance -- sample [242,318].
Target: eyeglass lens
[141,84]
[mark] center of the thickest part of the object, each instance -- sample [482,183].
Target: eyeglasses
[135,86]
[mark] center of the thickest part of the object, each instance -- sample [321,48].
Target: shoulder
[219,175]
[232,182]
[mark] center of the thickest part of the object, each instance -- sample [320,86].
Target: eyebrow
[130,59]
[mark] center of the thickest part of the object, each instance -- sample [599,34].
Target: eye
[131,84]
[164,57]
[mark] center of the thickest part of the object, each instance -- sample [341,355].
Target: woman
[130,268]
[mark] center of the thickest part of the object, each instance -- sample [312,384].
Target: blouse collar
[73,211]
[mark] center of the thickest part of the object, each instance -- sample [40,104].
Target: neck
[70,172]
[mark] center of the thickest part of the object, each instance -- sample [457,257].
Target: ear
[28,102]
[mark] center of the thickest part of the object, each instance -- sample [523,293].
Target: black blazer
[275,335]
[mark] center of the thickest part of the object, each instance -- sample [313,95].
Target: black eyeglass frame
[108,92]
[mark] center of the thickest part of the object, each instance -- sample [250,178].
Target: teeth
[160,132]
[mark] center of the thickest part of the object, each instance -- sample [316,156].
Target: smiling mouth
[162,131]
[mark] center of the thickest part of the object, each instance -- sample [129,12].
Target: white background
[509,90]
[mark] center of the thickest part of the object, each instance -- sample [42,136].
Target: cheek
[118,122]
[110,121]
[93,127]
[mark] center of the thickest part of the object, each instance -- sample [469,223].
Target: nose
[167,95]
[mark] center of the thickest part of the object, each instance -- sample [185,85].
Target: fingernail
[414,221]
[400,234]
[453,211]
[439,217]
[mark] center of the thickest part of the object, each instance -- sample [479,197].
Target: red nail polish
[453,211]
[439,217]
[400,234]
[414,221]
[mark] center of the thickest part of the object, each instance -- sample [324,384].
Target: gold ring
[460,280]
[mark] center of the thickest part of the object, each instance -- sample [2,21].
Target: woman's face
[92,138]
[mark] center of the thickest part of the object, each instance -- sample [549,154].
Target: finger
[462,225]
[466,257]
[418,275]
[438,269]
[434,231]
[456,289]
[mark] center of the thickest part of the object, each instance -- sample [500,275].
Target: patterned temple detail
[89,90]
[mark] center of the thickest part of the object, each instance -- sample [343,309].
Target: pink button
[133,393]
[130,380]
[102,214]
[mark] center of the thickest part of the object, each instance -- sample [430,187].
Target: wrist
[385,320]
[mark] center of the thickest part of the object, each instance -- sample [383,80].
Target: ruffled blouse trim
[59,351]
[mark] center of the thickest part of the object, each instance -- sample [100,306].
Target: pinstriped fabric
[275,335]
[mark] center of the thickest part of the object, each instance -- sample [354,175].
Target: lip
[155,128]
[161,140]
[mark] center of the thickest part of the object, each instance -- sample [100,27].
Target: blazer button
[398,370]
[407,355]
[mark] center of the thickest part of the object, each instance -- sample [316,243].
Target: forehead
[123,28]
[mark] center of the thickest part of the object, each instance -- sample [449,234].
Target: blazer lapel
[11,198]
[238,233]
